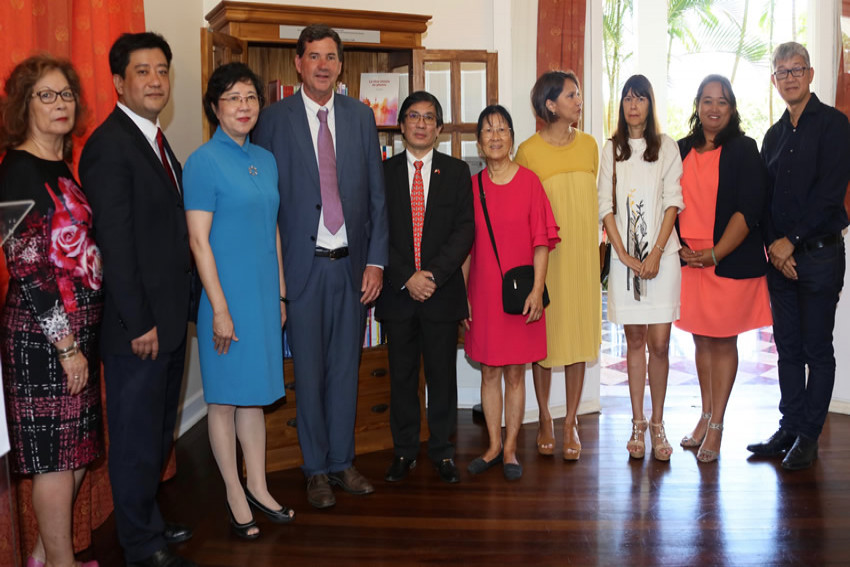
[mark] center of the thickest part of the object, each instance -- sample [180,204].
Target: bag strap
[487,219]
[614,179]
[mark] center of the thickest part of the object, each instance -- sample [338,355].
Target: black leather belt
[334,254]
[822,242]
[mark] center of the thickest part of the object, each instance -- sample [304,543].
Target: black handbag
[516,282]
[605,245]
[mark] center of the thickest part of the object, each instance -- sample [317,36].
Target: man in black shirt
[807,153]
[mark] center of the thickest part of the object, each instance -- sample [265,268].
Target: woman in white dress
[645,277]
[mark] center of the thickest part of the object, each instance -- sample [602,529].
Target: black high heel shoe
[242,529]
[281,516]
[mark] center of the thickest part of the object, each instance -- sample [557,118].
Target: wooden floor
[603,510]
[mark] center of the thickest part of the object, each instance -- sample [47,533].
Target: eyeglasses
[250,99]
[636,99]
[48,96]
[429,119]
[795,72]
[490,132]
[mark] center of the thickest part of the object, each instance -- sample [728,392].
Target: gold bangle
[69,354]
[71,348]
[660,248]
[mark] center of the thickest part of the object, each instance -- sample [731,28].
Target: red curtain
[81,30]
[560,37]
[842,93]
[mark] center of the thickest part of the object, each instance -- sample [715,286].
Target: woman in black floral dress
[49,330]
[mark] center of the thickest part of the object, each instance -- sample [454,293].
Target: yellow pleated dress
[574,317]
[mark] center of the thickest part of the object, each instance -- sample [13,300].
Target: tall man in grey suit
[333,230]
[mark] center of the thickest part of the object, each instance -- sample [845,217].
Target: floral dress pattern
[54,290]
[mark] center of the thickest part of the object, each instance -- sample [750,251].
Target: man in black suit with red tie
[431,225]
[132,181]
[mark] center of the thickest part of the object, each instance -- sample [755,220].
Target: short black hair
[220,82]
[492,110]
[316,32]
[124,46]
[548,87]
[421,96]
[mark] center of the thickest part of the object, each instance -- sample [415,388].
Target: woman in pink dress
[724,290]
[524,230]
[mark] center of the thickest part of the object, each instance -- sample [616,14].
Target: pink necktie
[417,207]
[331,205]
[164,157]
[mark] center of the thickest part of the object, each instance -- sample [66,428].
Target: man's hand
[779,252]
[421,285]
[373,280]
[146,346]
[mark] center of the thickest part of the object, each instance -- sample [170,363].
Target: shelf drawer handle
[379,372]
[292,422]
[380,408]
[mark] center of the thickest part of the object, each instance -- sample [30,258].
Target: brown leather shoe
[319,492]
[351,481]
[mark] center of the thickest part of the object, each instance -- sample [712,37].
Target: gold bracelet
[69,353]
[71,348]
[660,249]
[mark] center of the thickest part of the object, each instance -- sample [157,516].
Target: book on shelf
[374,334]
[379,91]
[276,91]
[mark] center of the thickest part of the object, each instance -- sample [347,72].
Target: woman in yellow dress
[566,161]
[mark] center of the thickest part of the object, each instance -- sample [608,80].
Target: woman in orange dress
[724,290]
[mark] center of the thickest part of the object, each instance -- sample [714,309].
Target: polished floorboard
[603,510]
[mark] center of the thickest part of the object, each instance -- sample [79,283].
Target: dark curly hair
[220,82]
[14,106]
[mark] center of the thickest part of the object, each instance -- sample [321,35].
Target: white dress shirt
[426,173]
[149,129]
[324,238]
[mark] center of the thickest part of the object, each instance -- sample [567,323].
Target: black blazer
[446,240]
[140,227]
[742,187]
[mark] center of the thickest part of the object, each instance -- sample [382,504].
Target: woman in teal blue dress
[231,200]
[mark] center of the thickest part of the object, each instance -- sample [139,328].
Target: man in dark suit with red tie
[132,181]
[429,204]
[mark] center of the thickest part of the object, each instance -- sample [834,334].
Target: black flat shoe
[242,529]
[775,446]
[448,471]
[399,469]
[176,533]
[512,471]
[282,516]
[479,465]
[801,455]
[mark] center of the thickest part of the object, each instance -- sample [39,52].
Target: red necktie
[164,157]
[417,207]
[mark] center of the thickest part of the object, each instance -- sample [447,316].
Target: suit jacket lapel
[300,131]
[143,146]
[434,187]
[344,136]
[401,183]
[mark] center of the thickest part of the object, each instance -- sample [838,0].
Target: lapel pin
[252,170]
[437,171]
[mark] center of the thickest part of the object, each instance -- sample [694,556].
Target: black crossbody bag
[516,282]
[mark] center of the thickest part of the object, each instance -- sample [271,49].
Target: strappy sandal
[691,441]
[546,441]
[572,444]
[707,455]
[661,448]
[636,445]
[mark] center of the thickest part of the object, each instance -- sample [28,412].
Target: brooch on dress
[252,169]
